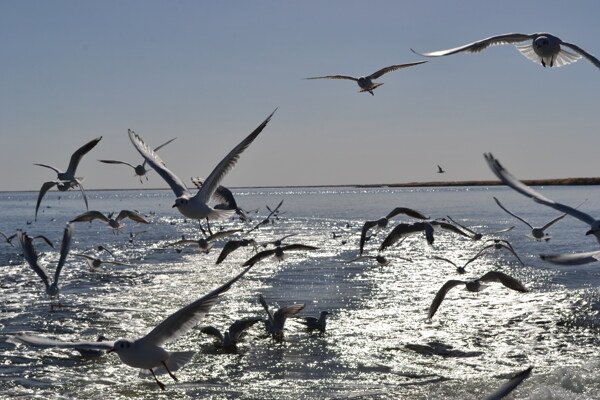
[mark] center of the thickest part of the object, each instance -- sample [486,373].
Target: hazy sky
[209,72]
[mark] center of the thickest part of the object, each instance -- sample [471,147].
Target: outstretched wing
[509,386]
[229,247]
[90,216]
[65,246]
[506,280]
[480,45]
[116,162]
[401,230]
[572,259]
[445,259]
[176,184]
[183,320]
[31,256]
[407,211]
[284,313]
[45,187]
[385,70]
[584,53]
[79,153]
[257,257]
[363,233]
[214,179]
[137,217]
[335,77]
[440,295]
[236,329]
[39,341]
[510,213]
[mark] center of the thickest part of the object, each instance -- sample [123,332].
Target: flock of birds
[147,352]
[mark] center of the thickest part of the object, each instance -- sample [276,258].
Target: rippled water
[378,344]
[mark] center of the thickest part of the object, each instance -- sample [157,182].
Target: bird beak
[174,205]
[591,232]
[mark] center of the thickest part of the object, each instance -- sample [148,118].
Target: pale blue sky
[210,72]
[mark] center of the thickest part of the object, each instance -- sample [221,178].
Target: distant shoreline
[529,182]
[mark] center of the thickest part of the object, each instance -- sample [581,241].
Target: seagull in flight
[440,170]
[544,49]
[508,179]
[146,353]
[476,235]
[113,223]
[140,170]
[381,260]
[403,230]
[67,180]
[195,206]
[231,336]
[32,259]
[94,263]
[384,221]
[536,233]
[278,252]
[459,269]
[475,286]
[233,245]
[275,322]
[497,244]
[204,245]
[366,83]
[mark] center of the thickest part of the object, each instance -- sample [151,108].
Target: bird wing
[472,232]
[510,228]
[476,256]
[44,238]
[510,213]
[572,259]
[49,166]
[257,257]
[183,320]
[221,194]
[549,224]
[448,227]
[284,313]
[445,259]
[407,211]
[263,302]
[221,235]
[80,186]
[45,187]
[391,68]
[400,231]
[229,247]
[335,77]
[182,241]
[440,295]
[176,184]
[297,246]
[31,256]
[214,179]
[211,330]
[429,230]
[508,179]
[236,329]
[363,234]
[116,162]
[39,341]
[90,216]
[506,280]
[584,53]
[360,258]
[137,217]
[514,253]
[480,45]
[79,153]
[164,144]
[509,386]
[84,256]
[65,246]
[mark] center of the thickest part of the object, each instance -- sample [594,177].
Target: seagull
[278,242]
[475,286]
[146,352]
[113,223]
[366,82]
[274,323]
[497,244]
[195,206]
[478,236]
[140,170]
[32,258]
[572,258]
[511,385]
[230,337]
[85,348]
[403,230]
[536,233]
[383,222]
[508,179]
[233,245]
[544,49]
[278,252]
[381,260]
[313,323]
[205,245]
[67,180]
[440,170]
[95,263]
[460,270]
[9,239]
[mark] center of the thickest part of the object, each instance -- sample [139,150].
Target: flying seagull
[508,179]
[544,49]
[477,235]
[475,286]
[140,170]
[67,180]
[497,244]
[536,233]
[384,221]
[32,259]
[113,223]
[204,245]
[233,245]
[231,336]
[278,252]
[366,82]
[403,230]
[440,170]
[94,263]
[195,206]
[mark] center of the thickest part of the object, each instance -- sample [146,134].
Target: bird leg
[170,373]
[160,384]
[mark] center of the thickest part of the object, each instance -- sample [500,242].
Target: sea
[378,344]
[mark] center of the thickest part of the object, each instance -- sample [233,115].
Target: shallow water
[378,344]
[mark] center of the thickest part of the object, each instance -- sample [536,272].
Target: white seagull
[508,179]
[195,206]
[67,180]
[366,82]
[32,259]
[536,232]
[140,170]
[544,49]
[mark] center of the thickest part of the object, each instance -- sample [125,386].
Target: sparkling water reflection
[379,343]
